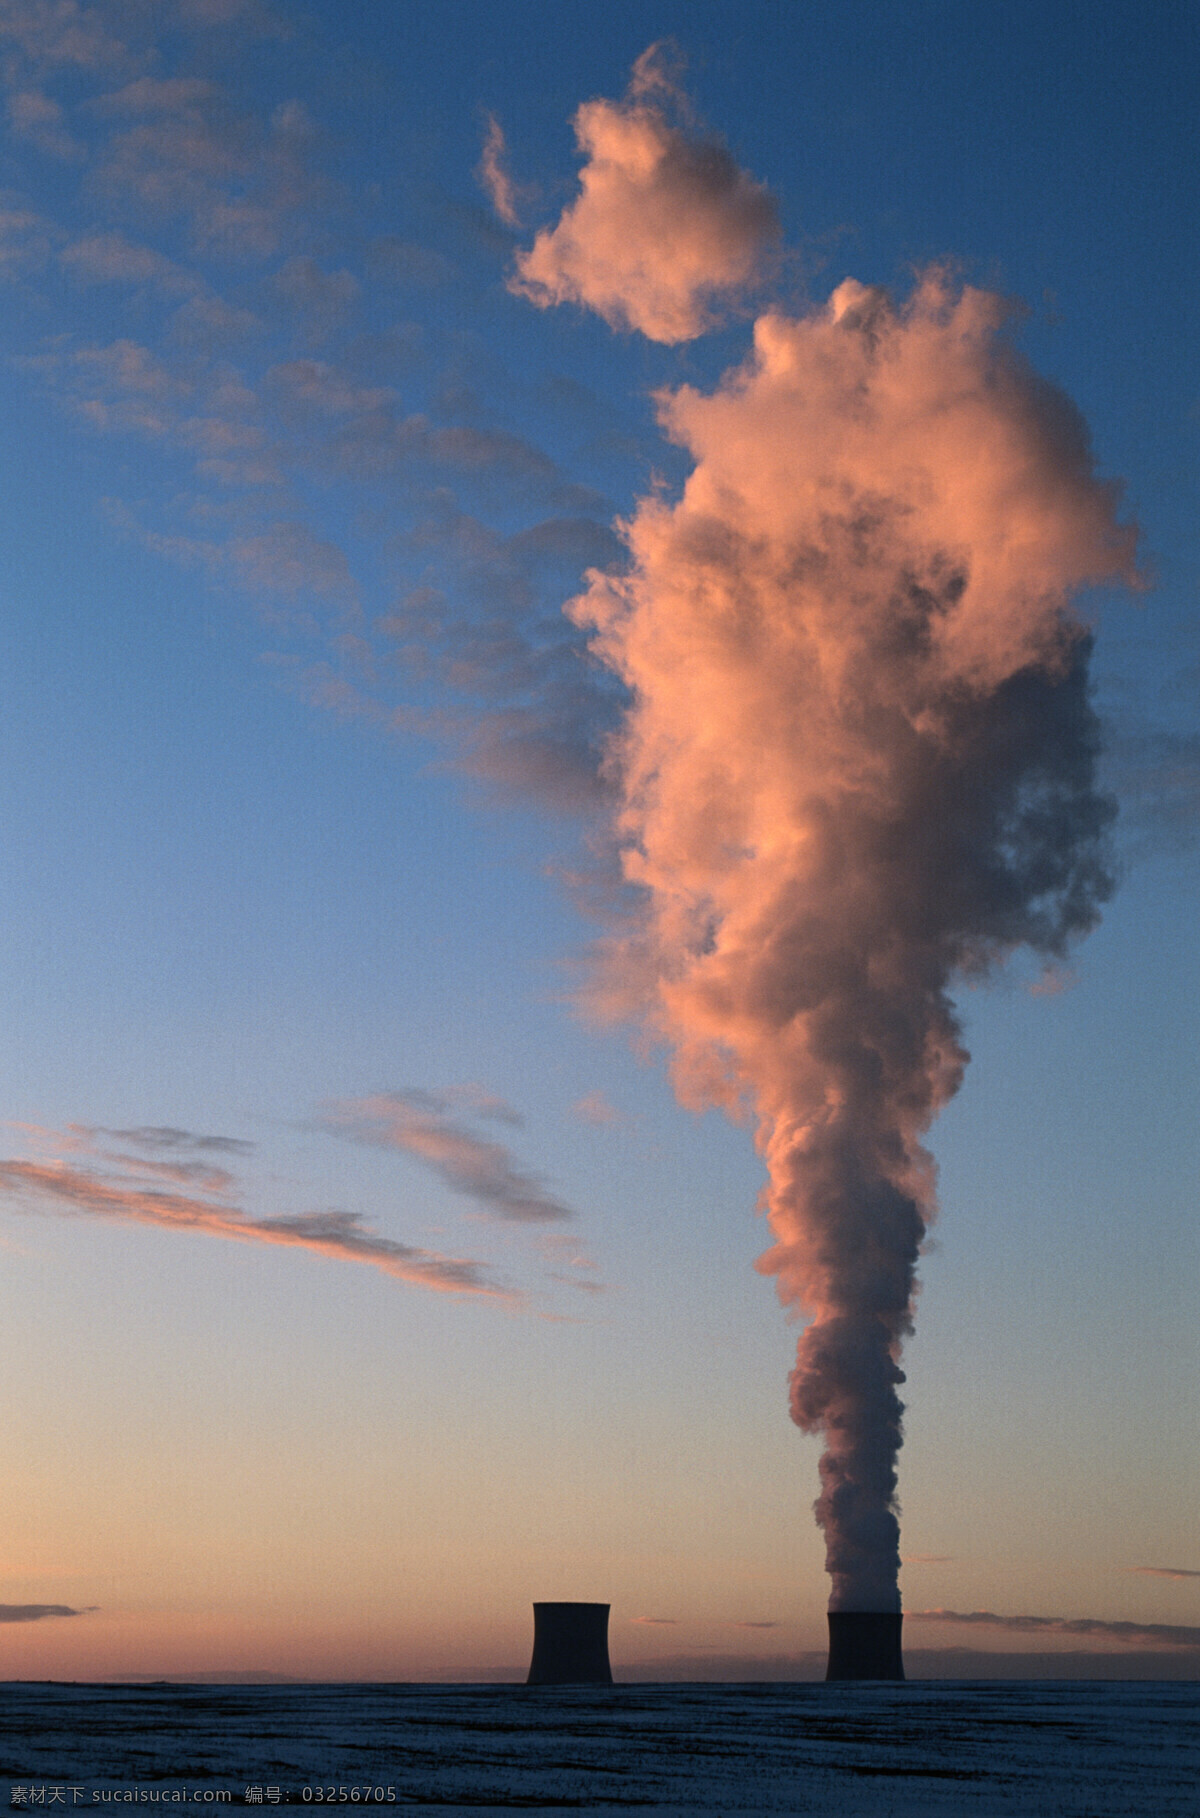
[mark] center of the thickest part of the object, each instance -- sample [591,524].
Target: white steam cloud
[858,760]
[665,222]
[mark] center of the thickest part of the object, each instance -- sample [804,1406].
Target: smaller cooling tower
[865,1644]
[570,1644]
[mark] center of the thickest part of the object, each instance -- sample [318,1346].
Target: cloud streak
[424,1125]
[1161,1571]
[1137,1634]
[595,1108]
[495,179]
[338,1235]
[184,208]
[160,1137]
[37,1612]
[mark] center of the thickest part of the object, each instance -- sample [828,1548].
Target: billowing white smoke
[665,223]
[857,764]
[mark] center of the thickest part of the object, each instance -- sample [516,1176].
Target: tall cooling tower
[864,1644]
[570,1644]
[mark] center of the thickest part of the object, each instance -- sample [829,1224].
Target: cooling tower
[570,1644]
[865,1644]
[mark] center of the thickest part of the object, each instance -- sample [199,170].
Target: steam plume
[337,1234]
[857,765]
[665,222]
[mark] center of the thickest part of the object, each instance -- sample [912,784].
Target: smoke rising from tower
[857,765]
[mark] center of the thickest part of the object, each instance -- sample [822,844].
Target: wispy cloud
[25,238]
[213,233]
[38,1612]
[198,1176]
[167,1154]
[754,1625]
[595,1108]
[426,1125]
[1162,1571]
[34,116]
[1157,775]
[495,177]
[337,1234]
[165,1175]
[319,301]
[183,151]
[62,34]
[112,258]
[1137,1634]
[656,1622]
[288,562]
[493,173]
[160,1137]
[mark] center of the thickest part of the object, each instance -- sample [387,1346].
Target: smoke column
[858,764]
[858,761]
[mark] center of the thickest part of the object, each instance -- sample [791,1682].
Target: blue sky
[297,488]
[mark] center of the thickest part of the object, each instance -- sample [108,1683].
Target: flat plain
[1056,1749]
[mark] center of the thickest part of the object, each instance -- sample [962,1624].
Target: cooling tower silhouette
[865,1644]
[570,1644]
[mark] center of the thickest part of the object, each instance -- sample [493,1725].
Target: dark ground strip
[1078,1750]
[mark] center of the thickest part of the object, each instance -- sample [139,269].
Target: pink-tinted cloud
[25,240]
[289,562]
[180,148]
[859,763]
[62,34]
[568,1262]
[126,368]
[124,386]
[340,1235]
[319,301]
[170,1139]
[255,16]
[1054,980]
[205,323]
[178,159]
[594,1108]
[110,258]
[423,1125]
[150,95]
[494,631]
[494,176]
[206,411]
[1136,1634]
[665,225]
[305,388]
[198,1176]
[41,120]
[1161,1571]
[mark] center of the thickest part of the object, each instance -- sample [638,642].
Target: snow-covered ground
[1050,1749]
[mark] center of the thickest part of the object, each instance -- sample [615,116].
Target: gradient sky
[463,1312]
